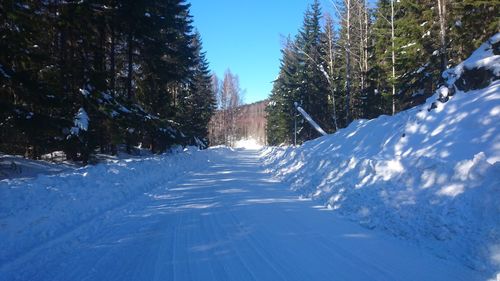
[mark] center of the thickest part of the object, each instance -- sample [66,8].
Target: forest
[101,76]
[104,76]
[127,151]
[362,61]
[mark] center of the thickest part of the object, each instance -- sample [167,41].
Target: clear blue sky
[246,36]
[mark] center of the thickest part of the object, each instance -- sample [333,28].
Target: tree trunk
[331,59]
[365,10]
[112,57]
[442,33]
[130,67]
[348,64]
[129,85]
[393,60]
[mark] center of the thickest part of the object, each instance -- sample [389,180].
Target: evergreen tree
[197,103]
[85,75]
[301,80]
[313,93]
[471,23]
[385,83]
[281,113]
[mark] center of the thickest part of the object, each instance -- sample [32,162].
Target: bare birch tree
[330,64]
[223,126]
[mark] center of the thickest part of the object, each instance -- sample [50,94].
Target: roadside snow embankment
[430,174]
[38,210]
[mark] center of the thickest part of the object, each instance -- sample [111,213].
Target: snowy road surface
[229,222]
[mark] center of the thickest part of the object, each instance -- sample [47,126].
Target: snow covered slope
[19,167]
[37,210]
[430,174]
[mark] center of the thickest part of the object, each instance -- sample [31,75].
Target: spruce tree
[122,64]
[471,23]
[197,102]
[313,94]
[281,113]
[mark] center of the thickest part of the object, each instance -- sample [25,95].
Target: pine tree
[281,113]
[26,98]
[471,22]
[119,64]
[197,104]
[386,83]
[313,93]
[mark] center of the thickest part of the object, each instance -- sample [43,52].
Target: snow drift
[41,209]
[430,174]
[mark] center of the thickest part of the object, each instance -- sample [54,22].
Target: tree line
[361,62]
[100,75]
[223,127]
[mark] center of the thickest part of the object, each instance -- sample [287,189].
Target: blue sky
[246,36]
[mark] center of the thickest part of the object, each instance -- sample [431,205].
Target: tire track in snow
[260,233]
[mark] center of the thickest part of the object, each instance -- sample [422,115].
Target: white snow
[36,211]
[81,122]
[443,91]
[414,196]
[408,45]
[207,215]
[249,143]
[84,92]
[19,167]
[431,177]
[483,57]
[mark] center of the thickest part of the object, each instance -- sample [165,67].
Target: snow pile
[19,167]
[249,143]
[38,210]
[486,57]
[430,174]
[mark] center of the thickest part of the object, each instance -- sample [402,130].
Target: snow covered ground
[207,215]
[431,177]
[19,167]
[38,209]
[409,197]
[248,144]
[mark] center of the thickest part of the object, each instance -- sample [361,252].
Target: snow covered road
[231,221]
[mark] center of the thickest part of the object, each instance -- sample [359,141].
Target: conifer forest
[87,76]
[364,61]
[223,140]
[102,76]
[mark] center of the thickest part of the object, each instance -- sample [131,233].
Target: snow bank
[430,174]
[483,58]
[19,167]
[38,210]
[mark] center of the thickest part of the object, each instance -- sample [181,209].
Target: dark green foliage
[197,102]
[471,23]
[125,64]
[301,80]
[367,92]
[281,111]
